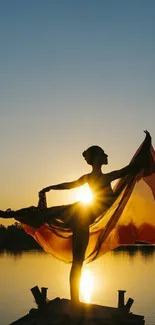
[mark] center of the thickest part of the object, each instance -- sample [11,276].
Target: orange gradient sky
[73,74]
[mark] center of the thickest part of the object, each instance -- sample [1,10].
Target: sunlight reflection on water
[86,285]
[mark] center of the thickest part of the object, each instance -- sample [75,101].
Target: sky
[72,74]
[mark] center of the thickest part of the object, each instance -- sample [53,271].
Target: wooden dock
[61,312]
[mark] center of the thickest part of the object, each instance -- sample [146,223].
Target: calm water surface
[133,272]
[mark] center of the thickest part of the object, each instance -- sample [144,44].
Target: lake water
[133,272]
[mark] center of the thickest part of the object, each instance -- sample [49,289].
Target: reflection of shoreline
[146,250]
[20,252]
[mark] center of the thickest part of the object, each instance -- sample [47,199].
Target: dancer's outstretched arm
[139,162]
[66,186]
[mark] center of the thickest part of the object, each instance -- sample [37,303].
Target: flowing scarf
[131,218]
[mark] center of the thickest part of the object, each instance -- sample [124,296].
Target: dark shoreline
[14,239]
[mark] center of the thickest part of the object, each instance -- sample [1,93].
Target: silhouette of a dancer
[78,217]
[100,185]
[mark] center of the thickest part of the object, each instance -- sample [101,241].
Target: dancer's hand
[147,140]
[148,136]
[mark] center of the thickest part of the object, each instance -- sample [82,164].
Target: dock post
[39,296]
[121,294]
[129,304]
[44,292]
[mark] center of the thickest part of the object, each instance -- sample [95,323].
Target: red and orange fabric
[131,218]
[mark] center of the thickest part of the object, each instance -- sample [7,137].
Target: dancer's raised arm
[66,186]
[139,162]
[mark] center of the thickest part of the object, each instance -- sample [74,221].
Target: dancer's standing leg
[80,243]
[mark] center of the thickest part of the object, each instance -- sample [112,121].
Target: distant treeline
[14,238]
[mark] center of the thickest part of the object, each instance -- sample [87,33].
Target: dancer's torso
[101,189]
[103,198]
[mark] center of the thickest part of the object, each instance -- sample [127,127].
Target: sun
[84,194]
[86,285]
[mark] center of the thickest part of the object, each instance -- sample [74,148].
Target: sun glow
[86,286]
[84,194]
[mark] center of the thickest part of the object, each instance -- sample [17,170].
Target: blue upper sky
[72,73]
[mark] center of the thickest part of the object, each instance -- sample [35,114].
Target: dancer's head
[95,156]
